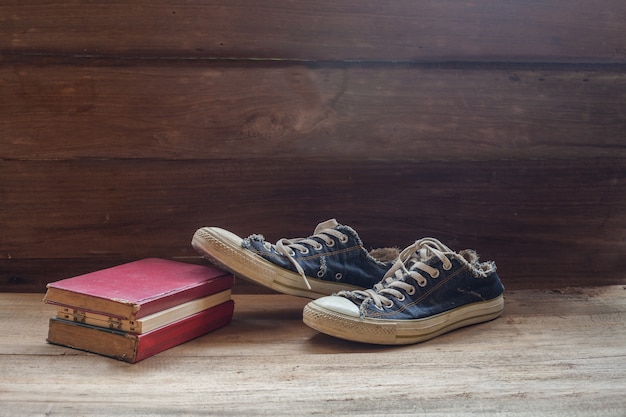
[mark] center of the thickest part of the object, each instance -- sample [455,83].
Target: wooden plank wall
[497,125]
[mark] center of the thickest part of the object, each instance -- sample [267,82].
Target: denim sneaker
[429,291]
[332,259]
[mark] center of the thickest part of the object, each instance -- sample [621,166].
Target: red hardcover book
[132,348]
[137,289]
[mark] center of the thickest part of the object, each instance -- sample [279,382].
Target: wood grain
[396,30]
[529,216]
[314,111]
[552,353]
[493,125]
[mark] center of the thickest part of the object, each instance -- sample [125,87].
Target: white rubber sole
[223,249]
[399,332]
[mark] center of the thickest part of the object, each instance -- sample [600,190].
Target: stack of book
[136,310]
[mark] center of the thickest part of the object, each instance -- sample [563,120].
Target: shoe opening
[385,254]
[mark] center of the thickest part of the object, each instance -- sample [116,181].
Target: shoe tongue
[328,224]
[423,254]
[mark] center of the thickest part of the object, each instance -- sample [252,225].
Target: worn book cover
[138,289]
[147,323]
[131,347]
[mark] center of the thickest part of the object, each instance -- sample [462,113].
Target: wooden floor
[552,353]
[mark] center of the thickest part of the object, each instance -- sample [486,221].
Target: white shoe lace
[323,231]
[409,263]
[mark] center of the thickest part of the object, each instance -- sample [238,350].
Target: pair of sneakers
[382,296]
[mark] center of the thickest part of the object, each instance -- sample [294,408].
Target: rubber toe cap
[338,304]
[223,235]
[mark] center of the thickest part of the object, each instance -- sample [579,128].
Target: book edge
[164,338]
[126,310]
[146,323]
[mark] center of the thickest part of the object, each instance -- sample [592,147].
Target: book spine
[125,310]
[116,308]
[147,323]
[133,348]
[99,320]
[118,345]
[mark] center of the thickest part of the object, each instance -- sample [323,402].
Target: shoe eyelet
[401,298]
[435,274]
[291,252]
[267,245]
[411,291]
[388,305]
[320,274]
[422,282]
[447,266]
[344,239]
[319,246]
[338,276]
[304,251]
[330,243]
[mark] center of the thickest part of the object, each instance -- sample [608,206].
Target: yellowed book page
[147,323]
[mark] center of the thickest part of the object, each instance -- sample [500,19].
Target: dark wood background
[496,125]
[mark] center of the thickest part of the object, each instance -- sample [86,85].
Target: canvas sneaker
[331,260]
[429,291]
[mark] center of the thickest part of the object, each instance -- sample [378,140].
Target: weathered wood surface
[396,30]
[552,353]
[545,223]
[278,110]
[493,125]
